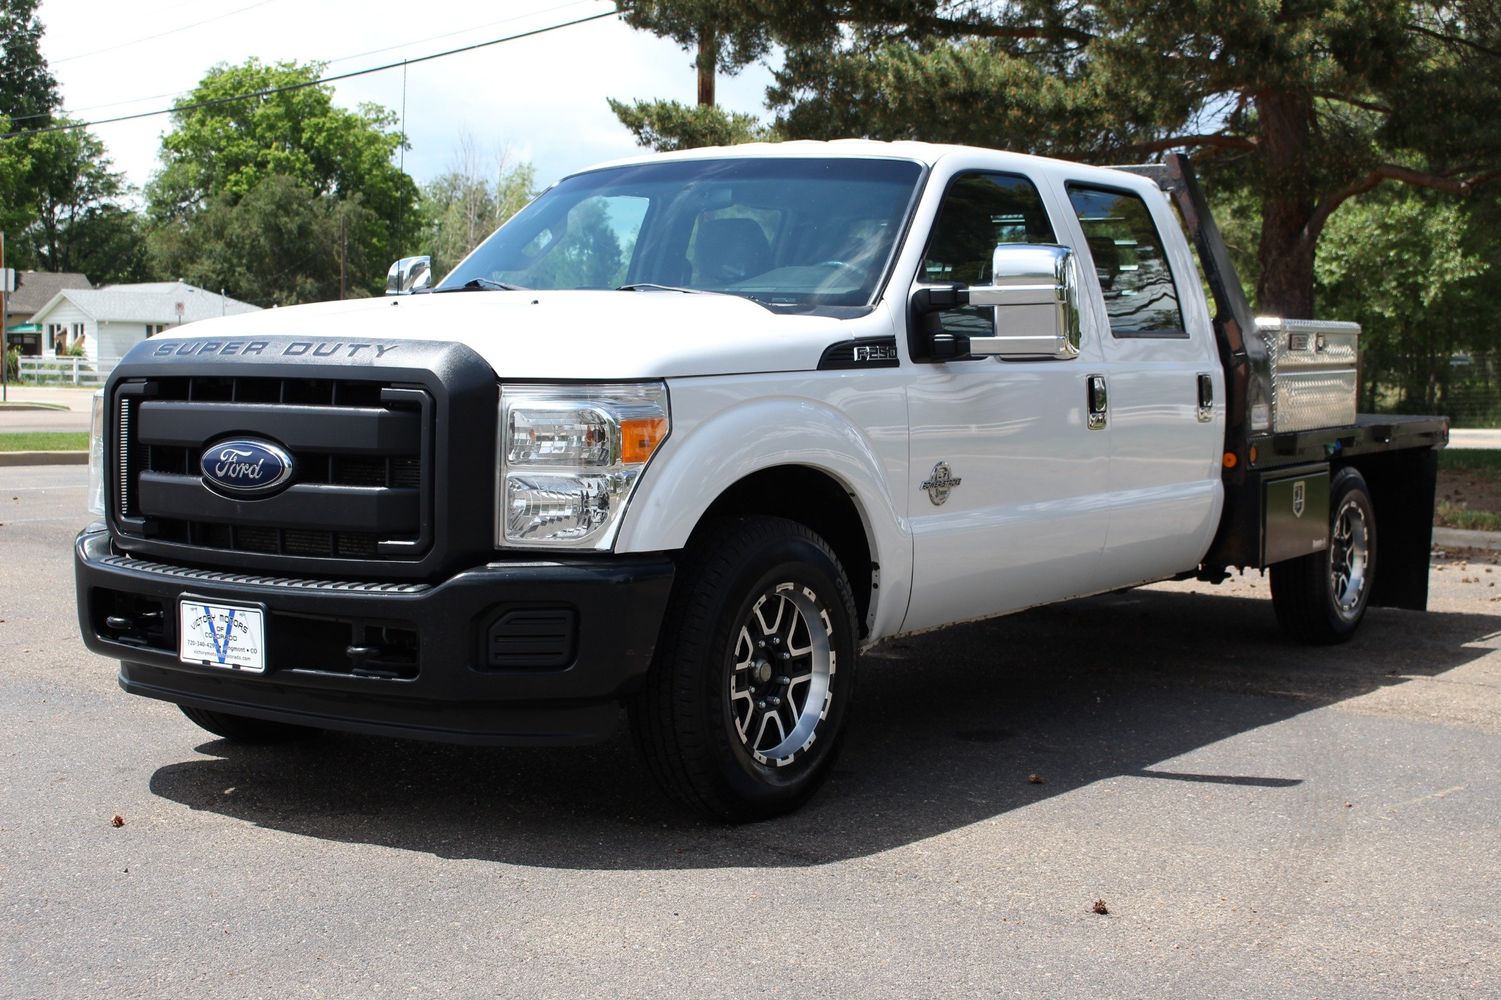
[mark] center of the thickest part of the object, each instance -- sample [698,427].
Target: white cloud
[543,96]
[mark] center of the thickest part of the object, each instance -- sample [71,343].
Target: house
[34,289]
[111,320]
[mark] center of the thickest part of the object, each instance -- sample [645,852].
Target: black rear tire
[244,729]
[743,707]
[1322,598]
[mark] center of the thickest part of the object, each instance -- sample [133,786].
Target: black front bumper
[536,652]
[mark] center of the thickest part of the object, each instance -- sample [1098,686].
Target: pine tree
[1307,102]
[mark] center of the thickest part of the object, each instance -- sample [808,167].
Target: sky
[539,99]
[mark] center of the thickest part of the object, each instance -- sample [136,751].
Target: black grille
[361,450]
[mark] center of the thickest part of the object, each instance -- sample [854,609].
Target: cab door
[1164,383]
[1008,486]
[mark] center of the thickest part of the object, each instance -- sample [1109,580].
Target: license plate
[230,636]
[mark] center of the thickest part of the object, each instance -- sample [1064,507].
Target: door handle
[1098,400]
[1206,398]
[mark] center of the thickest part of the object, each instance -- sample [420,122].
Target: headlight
[569,457]
[96,455]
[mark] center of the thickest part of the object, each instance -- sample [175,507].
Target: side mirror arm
[926,338]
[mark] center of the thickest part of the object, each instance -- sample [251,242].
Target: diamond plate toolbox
[1313,367]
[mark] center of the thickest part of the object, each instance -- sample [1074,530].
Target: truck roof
[927,153]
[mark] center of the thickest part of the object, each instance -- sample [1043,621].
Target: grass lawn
[45,441]
[1469,489]
[1485,461]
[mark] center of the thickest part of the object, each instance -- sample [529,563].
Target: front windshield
[782,231]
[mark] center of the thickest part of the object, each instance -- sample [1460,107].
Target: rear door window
[1130,262]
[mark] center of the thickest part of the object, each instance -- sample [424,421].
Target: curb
[43,458]
[1458,538]
[13,405]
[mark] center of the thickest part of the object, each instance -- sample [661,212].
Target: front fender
[855,434]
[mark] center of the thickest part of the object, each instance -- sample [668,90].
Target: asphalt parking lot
[1260,820]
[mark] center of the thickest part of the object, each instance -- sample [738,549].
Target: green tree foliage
[470,201]
[1308,104]
[15,213]
[60,203]
[280,243]
[218,154]
[1415,270]
[28,92]
[77,222]
[669,125]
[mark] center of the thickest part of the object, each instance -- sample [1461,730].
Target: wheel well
[814,499]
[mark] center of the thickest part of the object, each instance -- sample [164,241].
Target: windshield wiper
[484,285]
[652,286]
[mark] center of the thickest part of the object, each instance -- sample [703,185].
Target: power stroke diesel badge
[245,467]
[940,484]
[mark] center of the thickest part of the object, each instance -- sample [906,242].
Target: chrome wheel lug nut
[761,703]
[784,680]
[774,702]
[760,643]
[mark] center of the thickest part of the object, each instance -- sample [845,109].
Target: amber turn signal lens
[1230,460]
[639,438]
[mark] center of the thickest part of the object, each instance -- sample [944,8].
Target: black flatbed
[1372,433]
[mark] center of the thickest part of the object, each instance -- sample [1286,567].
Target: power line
[461,31]
[308,83]
[14,119]
[162,34]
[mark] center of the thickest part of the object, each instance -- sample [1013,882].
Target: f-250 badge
[874,352]
[940,483]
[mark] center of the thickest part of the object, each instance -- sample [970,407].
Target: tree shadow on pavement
[947,730]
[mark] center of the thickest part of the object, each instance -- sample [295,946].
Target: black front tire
[244,729]
[1322,598]
[742,710]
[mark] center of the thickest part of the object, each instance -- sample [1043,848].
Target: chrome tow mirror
[409,274]
[1035,295]
[1035,290]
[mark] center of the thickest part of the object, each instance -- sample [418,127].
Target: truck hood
[572,334]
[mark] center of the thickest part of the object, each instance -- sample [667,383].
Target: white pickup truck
[691,430]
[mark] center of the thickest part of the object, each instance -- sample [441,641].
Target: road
[14,418]
[1260,819]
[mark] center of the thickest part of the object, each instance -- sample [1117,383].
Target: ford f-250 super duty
[690,430]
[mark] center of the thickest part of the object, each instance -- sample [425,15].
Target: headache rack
[1281,375]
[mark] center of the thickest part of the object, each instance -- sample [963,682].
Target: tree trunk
[1285,252]
[708,58]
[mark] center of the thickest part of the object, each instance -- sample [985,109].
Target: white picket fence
[66,371]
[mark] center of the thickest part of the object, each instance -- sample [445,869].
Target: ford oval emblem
[245,467]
